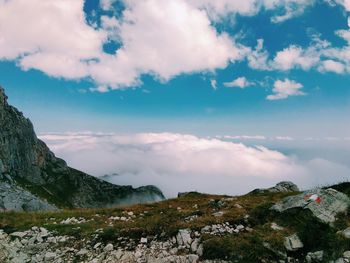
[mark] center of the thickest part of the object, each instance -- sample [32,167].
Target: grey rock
[18,234]
[184,237]
[293,243]
[346,232]
[276,227]
[82,252]
[218,214]
[285,186]
[346,254]
[314,256]
[108,247]
[50,256]
[331,203]
[200,250]
[281,187]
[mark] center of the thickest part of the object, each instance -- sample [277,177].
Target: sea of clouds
[182,162]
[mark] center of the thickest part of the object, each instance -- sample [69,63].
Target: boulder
[346,254]
[293,243]
[346,233]
[314,256]
[183,237]
[324,204]
[108,247]
[276,227]
[281,187]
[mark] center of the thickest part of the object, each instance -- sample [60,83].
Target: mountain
[32,178]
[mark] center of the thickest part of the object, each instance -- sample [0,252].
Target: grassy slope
[165,217]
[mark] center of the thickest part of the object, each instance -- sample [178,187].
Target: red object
[318,200]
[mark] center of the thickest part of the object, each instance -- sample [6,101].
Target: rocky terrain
[263,226]
[32,178]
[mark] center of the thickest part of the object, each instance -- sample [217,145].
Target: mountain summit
[32,178]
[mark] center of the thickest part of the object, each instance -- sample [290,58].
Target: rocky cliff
[32,178]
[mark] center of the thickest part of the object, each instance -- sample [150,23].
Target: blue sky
[187,102]
[209,68]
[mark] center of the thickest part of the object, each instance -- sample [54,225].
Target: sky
[151,90]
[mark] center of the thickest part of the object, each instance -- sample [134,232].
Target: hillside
[194,227]
[32,178]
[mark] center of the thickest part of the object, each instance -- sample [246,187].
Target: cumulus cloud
[319,55]
[157,38]
[160,38]
[52,37]
[240,82]
[294,56]
[285,88]
[332,66]
[180,162]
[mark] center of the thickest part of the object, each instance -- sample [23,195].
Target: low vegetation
[163,220]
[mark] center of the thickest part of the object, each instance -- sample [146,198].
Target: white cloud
[332,66]
[222,8]
[284,138]
[179,162]
[344,3]
[243,137]
[160,38]
[258,58]
[240,82]
[294,57]
[320,55]
[292,8]
[286,9]
[106,4]
[214,84]
[284,89]
[52,37]
[157,38]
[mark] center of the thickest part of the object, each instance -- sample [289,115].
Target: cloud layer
[179,162]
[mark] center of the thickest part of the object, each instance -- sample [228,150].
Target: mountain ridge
[27,165]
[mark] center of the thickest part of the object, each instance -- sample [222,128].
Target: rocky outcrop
[32,178]
[281,187]
[324,204]
[40,245]
[13,197]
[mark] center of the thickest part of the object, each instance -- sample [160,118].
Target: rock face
[281,187]
[13,197]
[325,204]
[32,178]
